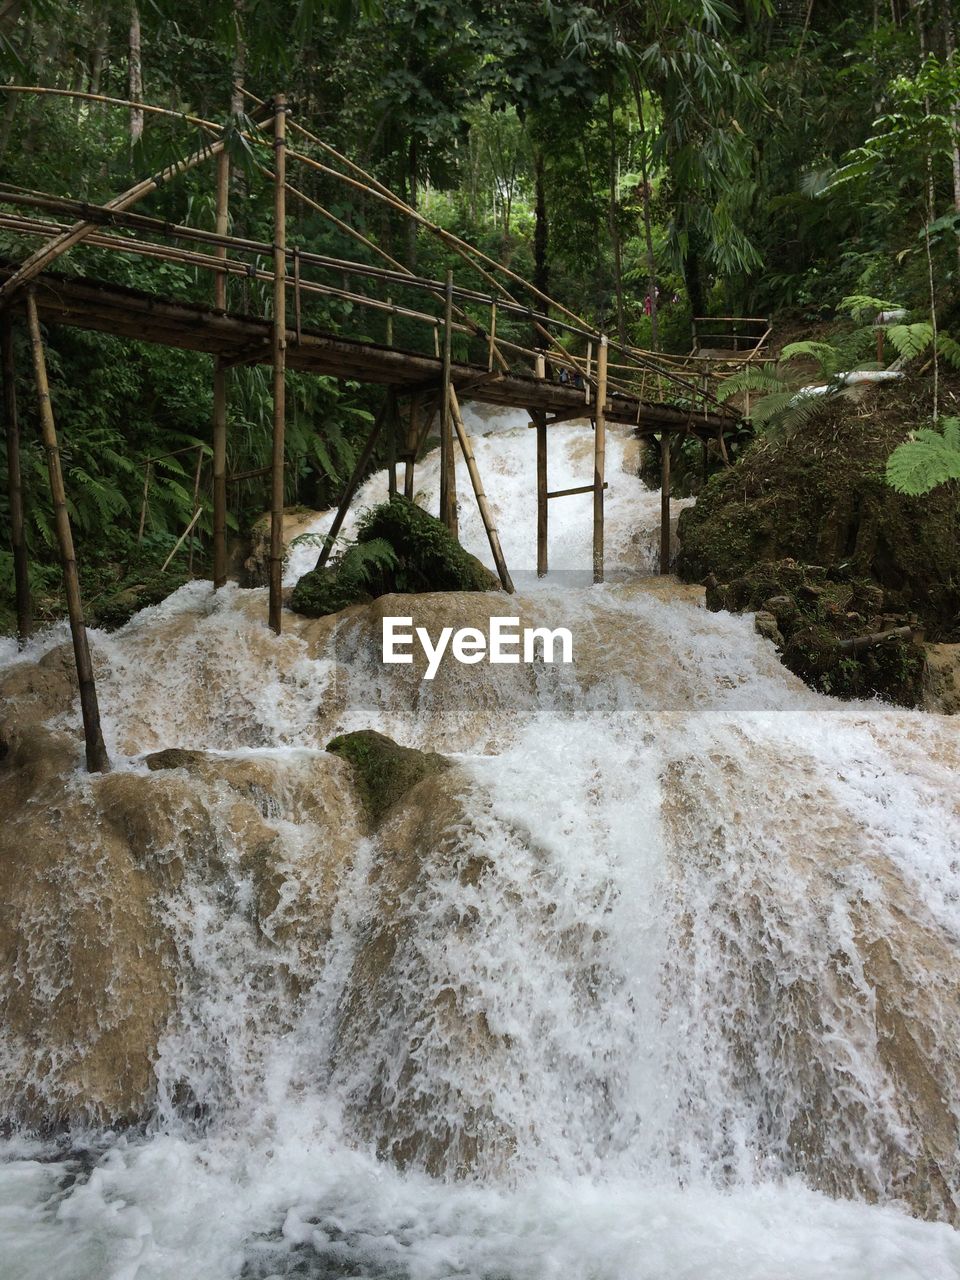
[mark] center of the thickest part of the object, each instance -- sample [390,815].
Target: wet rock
[174,758]
[256,565]
[941,679]
[766,626]
[383,770]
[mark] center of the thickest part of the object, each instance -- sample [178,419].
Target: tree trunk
[135,76]
[950,48]
[98,55]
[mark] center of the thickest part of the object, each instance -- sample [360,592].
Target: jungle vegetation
[643,161]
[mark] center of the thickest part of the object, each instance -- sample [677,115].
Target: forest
[641,163]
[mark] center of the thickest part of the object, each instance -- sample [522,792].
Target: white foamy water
[666,1030]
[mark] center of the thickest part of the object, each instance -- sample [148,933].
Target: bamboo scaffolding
[96,751]
[18,542]
[486,515]
[279,363]
[42,258]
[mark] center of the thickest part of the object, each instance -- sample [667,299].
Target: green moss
[119,607]
[425,557]
[384,771]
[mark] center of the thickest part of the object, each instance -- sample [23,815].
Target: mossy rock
[819,497]
[323,591]
[120,606]
[425,557]
[383,770]
[174,758]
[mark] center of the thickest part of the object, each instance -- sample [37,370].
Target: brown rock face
[94,873]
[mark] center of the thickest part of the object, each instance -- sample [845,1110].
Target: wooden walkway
[243,339]
[539,355]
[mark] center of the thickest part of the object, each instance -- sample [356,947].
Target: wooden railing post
[220,390]
[448,480]
[279,361]
[18,543]
[599,459]
[96,751]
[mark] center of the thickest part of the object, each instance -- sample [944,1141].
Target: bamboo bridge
[490,336]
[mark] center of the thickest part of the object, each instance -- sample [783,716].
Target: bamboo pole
[393,426]
[599,459]
[96,751]
[220,390]
[486,515]
[279,361]
[540,419]
[413,439]
[48,253]
[359,471]
[448,482]
[18,543]
[664,502]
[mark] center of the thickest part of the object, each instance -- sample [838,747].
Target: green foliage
[928,459]
[399,548]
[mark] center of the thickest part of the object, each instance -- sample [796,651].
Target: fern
[865,309]
[911,340]
[825,354]
[949,348]
[929,459]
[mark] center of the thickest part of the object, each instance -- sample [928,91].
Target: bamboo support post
[486,515]
[144,505]
[664,502]
[393,428]
[96,751]
[540,421]
[359,471]
[586,380]
[492,336]
[412,442]
[448,482]
[220,391]
[198,512]
[18,543]
[389,328]
[599,459]
[279,361]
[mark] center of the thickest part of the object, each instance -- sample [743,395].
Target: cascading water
[657,979]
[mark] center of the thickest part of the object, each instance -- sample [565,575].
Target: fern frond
[771,407]
[910,340]
[755,378]
[949,348]
[931,458]
[823,352]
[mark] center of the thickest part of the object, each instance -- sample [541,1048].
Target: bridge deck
[130,313]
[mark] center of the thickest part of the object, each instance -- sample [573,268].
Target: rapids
[659,982]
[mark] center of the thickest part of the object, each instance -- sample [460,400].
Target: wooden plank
[96,751]
[582,488]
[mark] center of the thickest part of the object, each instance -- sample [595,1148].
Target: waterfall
[658,978]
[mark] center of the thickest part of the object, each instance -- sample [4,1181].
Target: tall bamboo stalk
[448,481]
[540,421]
[279,360]
[18,541]
[493,537]
[220,390]
[97,760]
[665,502]
[599,459]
